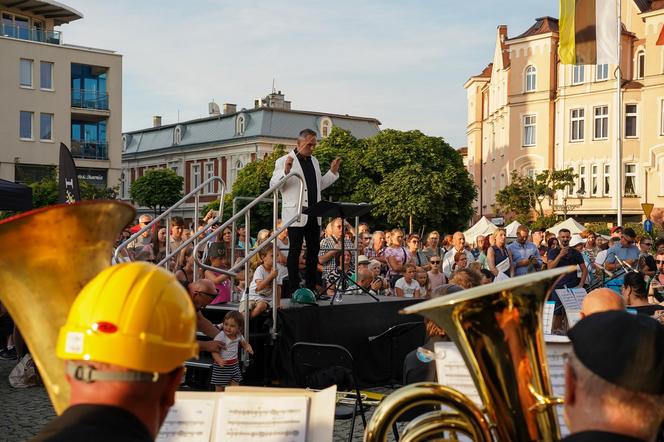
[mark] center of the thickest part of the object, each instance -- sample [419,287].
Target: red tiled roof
[657,4]
[502,29]
[487,71]
[543,25]
[631,84]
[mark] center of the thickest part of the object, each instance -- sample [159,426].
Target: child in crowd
[436,277]
[226,367]
[408,287]
[260,289]
[422,279]
[221,282]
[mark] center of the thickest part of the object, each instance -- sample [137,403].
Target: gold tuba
[497,329]
[47,256]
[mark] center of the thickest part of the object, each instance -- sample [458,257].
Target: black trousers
[311,233]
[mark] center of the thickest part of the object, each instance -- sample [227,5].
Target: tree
[525,194]
[157,189]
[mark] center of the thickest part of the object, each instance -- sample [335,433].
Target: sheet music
[556,362]
[188,421]
[262,418]
[572,300]
[503,266]
[451,370]
[547,316]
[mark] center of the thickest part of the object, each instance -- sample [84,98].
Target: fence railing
[89,150]
[34,34]
[89,99]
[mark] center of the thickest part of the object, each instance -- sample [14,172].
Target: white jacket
[290,190]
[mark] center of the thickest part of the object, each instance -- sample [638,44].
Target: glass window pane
[46,75]
[46,126]
[26,73]
[25,125]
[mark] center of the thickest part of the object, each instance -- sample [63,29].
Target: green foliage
[157,189]
[599,228]
[45,192]
[543,222]
[638,228]
[525,194]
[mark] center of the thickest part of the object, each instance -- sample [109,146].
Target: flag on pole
[68,179]
[588,32]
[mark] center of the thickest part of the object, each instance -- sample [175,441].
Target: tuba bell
[497,329]
[47,256]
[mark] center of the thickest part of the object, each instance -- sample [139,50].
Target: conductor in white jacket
[301,161]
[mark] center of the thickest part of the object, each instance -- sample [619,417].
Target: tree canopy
[408,176]
[157,189]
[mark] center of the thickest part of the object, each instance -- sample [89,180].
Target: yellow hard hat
[133,315]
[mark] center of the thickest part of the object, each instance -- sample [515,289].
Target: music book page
[504,266]
[547,317]
[189,420]
[556,348]
[261,418]
[451,370]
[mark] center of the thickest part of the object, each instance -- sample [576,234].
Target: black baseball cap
[622,348]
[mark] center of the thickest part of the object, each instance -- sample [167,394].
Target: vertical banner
[68,180]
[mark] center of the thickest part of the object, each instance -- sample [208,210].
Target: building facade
[528,113]
[225,141]
[53,92]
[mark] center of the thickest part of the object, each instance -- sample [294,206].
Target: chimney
[156,121]
[213,108]
[257,103]
[229,108]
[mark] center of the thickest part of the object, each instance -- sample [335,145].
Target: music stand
[331,209]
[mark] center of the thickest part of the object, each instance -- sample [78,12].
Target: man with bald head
[458,245]
[601,300]
[202,292]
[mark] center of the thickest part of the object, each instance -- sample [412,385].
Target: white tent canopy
[481,227]
[570,224]
[511,229]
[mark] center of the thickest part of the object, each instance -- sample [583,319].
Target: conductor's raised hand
[288,165]
[334,166]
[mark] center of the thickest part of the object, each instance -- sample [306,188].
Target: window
[502,181]
[594,180]
[493,188]
[25,125]
[582,179]
[325,127]
[578,74]
[209,173]
[529,130]
[240,125]
[531,173]
[46,127]
[195,175]
[531,78]
[26,73]
[630,120]
[630,179]
[607,179]
[602,72]
[578,123]
[601,130]
[177,135]
[640,64]
[46,75]
[661,117]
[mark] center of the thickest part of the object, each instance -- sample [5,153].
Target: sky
[403,63]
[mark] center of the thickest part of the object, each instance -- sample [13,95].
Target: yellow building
[527,112]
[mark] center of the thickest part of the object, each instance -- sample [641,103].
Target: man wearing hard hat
[126,338]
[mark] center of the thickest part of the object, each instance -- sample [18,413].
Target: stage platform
[350,324]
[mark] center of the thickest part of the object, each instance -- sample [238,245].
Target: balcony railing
[89,150]
[23,33]
[89,99]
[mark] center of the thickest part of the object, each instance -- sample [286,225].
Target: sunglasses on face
[435,261]
[647,244]
[659,262]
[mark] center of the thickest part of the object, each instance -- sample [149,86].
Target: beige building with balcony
[53,92]
[527,112]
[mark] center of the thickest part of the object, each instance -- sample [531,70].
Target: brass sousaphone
[498,331]
[47,256]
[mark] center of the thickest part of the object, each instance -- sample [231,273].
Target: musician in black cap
[614,379]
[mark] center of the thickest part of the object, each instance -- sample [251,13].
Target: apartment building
[527,112]
[53,92]
[225,141]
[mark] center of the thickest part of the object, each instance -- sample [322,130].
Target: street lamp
[569,207]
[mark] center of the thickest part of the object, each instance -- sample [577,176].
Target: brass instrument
[47,256]
[497,329]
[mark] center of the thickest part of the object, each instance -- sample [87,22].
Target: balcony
[89,150]
[24,33]
[89,99]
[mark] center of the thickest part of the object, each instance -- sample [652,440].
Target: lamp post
[569,207]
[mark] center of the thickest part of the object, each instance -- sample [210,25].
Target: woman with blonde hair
[497,253]
[396,256]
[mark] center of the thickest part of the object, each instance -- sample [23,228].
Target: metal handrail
[233,270]
[195,193]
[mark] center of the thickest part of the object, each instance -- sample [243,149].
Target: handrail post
[168,240]
[275,252]
[232,263]
[247,313]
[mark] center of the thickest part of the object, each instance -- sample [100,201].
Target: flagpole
[618,147]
